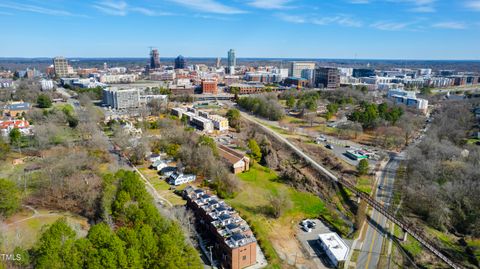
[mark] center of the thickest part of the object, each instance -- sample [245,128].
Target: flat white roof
[336,245]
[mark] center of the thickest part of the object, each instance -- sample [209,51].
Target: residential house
[7,126]
[238,162]
[178,179]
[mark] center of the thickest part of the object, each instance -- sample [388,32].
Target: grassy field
[24,228]
[364,184]
[412,246]
[253,204]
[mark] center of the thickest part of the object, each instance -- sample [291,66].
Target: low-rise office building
[327,77]
[335,248]
[120,78]
[234,245]
[209,86]
[16,109]
[296,82]
[247,88]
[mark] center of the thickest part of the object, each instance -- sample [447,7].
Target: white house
[22,125]
[159,164]
[335,248]
[179,179]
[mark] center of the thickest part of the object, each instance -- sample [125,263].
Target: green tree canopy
[255,151]
[291,102]
[15,137]
[233,116]
[9,198]
[363,167]
[44,101]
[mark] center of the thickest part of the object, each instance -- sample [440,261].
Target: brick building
[209,86]
[238,162]
[234,246]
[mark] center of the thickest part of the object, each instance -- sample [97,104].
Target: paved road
[377,224]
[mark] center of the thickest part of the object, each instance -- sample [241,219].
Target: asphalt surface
[377,223]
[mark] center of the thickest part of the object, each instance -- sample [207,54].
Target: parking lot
[339,148]
[311,246]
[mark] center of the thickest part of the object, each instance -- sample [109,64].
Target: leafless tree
[279,203]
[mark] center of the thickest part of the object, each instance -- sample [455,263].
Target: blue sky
[380,29]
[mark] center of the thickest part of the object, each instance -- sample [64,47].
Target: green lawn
[412,246]
[252,203]
[26,233]
[364,184]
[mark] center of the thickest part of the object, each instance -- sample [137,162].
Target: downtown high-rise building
[154,59]
[232,61]
[61,66]
[180,62]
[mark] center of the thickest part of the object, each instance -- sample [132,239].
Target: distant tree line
[265,106]
[368,114]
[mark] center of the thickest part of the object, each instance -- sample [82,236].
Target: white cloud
[115,8]
[270,4]
[292,18]
[450,25]
[390,26]
[474,4]
[122,8]
[341,20]
[35,9]
[418,6]
[209,6]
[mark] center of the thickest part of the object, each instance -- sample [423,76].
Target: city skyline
[340,29]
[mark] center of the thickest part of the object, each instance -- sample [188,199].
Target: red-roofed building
[9,125]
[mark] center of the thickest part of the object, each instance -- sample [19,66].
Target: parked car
[306,229]
[329,146]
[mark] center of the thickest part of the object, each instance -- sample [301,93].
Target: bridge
[407,228]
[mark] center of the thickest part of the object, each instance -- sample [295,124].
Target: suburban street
[377,223]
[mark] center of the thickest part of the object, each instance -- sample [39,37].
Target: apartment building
[408,98]
[62,69]
[234,246]
[202,124]
[121,98]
